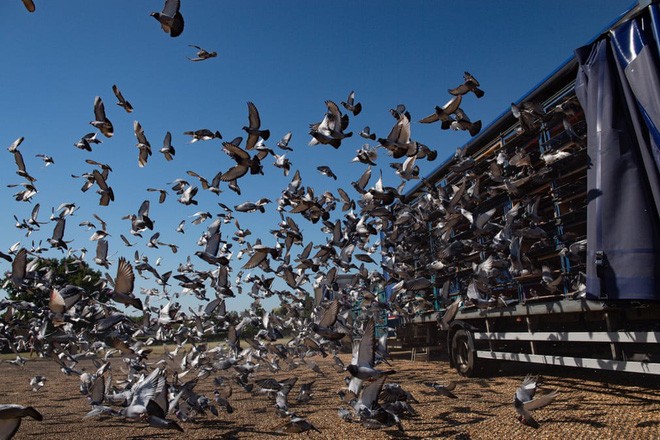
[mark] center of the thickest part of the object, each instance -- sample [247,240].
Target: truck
[542,238]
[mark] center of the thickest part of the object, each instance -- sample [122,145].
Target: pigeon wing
[366,347]
[125,277]
[453,104]
[148,388]
[253,116]
[9,427]
[527,389]
[460,90]
[330,314]
[369,394]
[177,25]
[234,173]
[540,401]
[99,109]
[29,5]
[19,266]
[171,7]
[20,163]
[433,117]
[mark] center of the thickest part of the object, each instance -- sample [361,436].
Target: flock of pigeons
[491,225]
[74,324]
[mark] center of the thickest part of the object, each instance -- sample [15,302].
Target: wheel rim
[462,350]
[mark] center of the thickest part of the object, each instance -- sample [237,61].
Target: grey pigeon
[351,105]
[121,100]
[168,150]
[202,54]
[445,390]
[254,129]
[524,401]
[170,19]
[444,113]
[470,84]
[100,120]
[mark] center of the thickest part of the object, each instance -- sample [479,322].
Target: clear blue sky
[288,57]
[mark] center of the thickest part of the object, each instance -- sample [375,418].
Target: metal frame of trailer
[512,334]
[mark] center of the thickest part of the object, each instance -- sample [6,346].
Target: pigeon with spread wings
[363,362]
[244,162]
[331,129]
[100,120]
[351,105]
[524,401]
[444,113]
[170,19]
[202,54]
[124,283]
[254,129]
[470,84]
[121,100]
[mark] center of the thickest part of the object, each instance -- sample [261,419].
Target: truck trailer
[541,236]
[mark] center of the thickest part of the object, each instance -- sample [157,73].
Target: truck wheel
[463,354]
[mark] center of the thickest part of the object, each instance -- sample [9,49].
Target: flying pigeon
[100,120]
[444,113]
[351,105]
[362,365]
[168,150]
[170,19]
[203,134]
[524,402]
[470,84]
[124,281]
[202,54]
[121,101]
[253,130]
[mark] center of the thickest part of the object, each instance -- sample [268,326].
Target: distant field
[611,407]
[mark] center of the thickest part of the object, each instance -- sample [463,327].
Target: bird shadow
[592,423]
[450,433]
[229,435]
[593,194]
[234,431]
[65,399]
[468,410]
[154,435]
[648,423]
[403,434]
[448,418]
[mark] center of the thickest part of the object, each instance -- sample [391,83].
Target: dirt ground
[591,405]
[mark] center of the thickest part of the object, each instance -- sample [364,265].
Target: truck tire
[463,354]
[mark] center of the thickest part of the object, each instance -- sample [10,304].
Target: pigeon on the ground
[445,390]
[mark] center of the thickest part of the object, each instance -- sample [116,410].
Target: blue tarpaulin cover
[618,85]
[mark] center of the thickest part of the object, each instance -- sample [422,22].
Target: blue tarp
[619,89]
